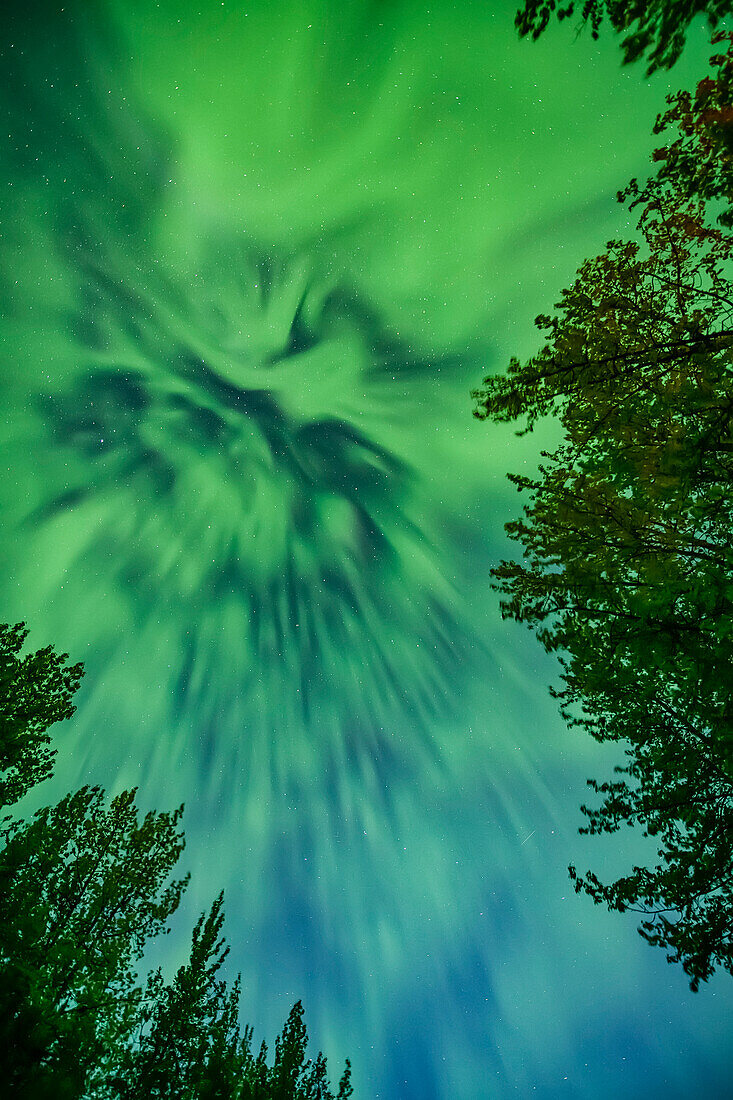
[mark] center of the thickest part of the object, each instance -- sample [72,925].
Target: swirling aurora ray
[254,258]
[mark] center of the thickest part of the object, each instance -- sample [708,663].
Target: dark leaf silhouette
[627,570]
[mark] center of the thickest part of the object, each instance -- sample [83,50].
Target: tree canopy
[189,1042]
[85,886]
[627,570]
[655,31]
[36,690]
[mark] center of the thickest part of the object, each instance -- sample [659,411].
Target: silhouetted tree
[655,30]
[292,1075]
[35,692]
[84,887]
[188,1041]
[698,162]
[189,1044]
[627,568]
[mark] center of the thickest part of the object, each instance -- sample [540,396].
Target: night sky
[254,257]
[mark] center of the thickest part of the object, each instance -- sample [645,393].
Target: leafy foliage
[656,31]
[188,1040]
[292,1074]
[189,1044]
[82,890]
[628,560]
[35,692]
[84,887]
[699,162]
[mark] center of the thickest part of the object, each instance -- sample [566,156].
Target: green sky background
[254,258]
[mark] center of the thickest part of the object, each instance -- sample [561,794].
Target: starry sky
[254,258]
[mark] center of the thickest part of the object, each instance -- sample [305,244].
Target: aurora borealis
[254,258]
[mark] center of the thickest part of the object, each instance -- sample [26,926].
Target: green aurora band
[254,258]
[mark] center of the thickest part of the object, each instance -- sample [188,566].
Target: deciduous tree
[85,885]
[190,1047]
[627,568]
[36,690]
[655,31]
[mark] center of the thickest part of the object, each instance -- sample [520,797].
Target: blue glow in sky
[254,259]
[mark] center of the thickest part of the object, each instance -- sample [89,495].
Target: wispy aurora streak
[254,259]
